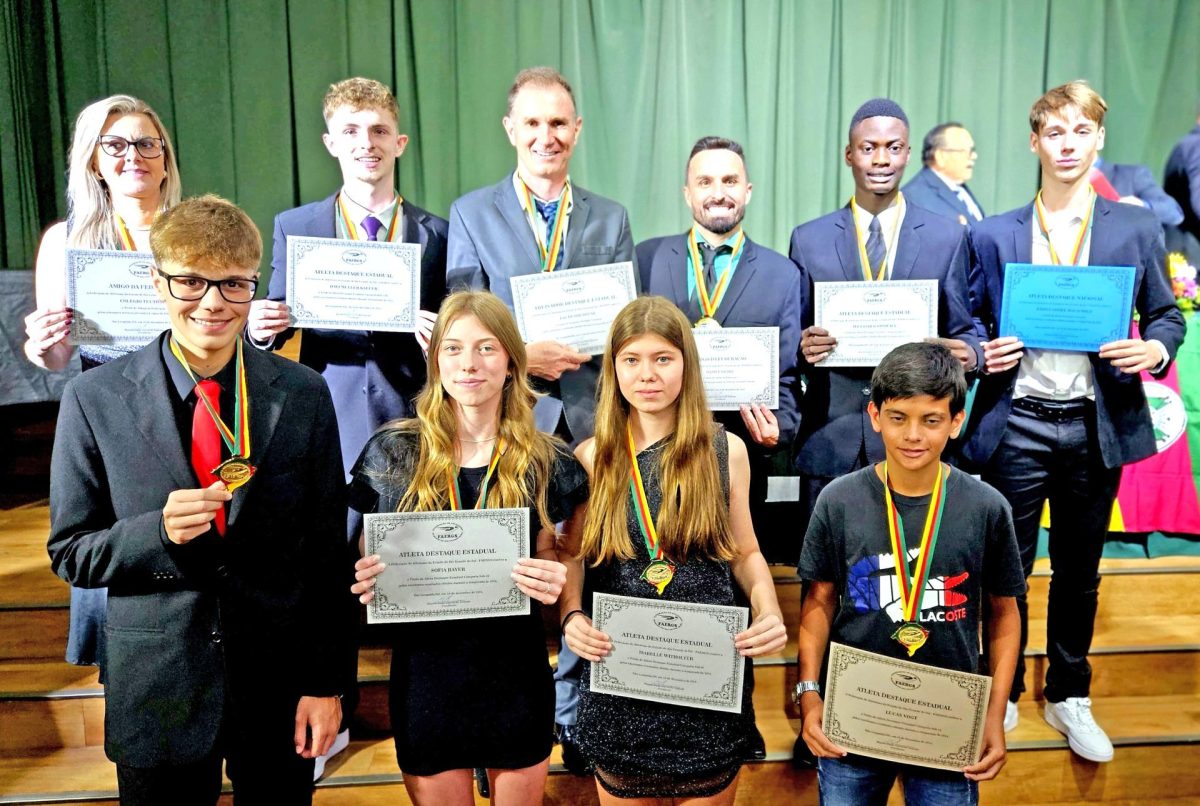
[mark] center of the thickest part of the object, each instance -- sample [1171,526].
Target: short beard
[724,225]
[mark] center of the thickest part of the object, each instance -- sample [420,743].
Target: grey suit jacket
[188,624]
[490,243]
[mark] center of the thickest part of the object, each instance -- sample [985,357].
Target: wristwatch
[803,687]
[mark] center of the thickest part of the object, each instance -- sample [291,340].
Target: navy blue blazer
[834,425]
[373,376]
[188,623]
[1122,235]
[490,243]
[764,292]
[929,192]
[1136,180]
[1181,181]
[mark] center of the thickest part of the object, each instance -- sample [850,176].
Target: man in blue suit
[1133,184]
[1181,181]
[1059,425]
[508,229]
[948,154]
[372,375]
[738,283]
[900,241]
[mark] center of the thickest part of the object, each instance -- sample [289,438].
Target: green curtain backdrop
[239,83]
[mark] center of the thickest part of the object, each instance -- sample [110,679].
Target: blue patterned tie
[549,212]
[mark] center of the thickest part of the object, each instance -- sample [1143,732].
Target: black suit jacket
[373,376]
[1122,235]
[764,292]
[268,601]
[929,192]
[834,425]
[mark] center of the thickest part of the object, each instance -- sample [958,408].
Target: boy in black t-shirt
[855,596]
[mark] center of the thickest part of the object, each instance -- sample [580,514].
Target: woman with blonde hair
[122,172]
[669,518]
[473,692]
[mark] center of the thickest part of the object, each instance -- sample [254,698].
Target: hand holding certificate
[572,306]
[1075,308]
[447,565]
[353,285]
[870,319]
[113,297]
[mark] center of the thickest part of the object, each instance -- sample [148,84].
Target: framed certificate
[672,652]
[572,306]
[443,566]
[869,320]
[336,284]
[902,711]
[1074,308]
[739,365]
[113,297]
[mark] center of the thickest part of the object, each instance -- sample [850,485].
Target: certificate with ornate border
[903,711]
[572,306]
[113,297]
[337,284]
[869,320]
[1075,308]
[671,652]
[739,365]
[443,566]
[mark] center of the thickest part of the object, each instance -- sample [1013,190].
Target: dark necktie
[876,251]
[372,225]
[206,440]
[549,212]
[709,255]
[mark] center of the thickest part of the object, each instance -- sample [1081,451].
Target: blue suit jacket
[490,243]
[1136,180]
[764,292]
[1181,181]
[929,192]
[834,425]
[1122,235]
[373,376]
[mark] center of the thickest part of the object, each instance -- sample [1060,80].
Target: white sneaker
[1010,716]
[340,743]
[1073,718]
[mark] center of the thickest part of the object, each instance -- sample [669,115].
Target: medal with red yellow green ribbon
[352,231]
[659,573]
[127,243]
[549,250]
[481,501]
[709,304]
[911,635]
[1084,230]
[236,470]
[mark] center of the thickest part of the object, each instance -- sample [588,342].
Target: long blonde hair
[529,455]
[90,221]
[694,516]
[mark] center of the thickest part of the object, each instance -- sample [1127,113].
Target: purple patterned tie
[372,225]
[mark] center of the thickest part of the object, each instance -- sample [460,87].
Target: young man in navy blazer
[230,630]
[901,242]
[373,376]
[1059,425]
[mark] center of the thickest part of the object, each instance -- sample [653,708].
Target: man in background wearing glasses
[941,186]
[201,482]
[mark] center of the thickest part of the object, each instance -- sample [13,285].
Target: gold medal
[234,471]
[659,574]
[911,636]
[707,322]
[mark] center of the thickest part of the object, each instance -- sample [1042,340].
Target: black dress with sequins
[648,749]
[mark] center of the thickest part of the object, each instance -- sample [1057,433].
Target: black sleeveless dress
[647,749]
[470,692]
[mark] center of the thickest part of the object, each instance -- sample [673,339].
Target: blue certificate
[1067,307]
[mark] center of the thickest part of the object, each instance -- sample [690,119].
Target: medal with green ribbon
[911,635]
[659,573]
[481,501]
[709,304]
[127,243]
[869,274]
[549,250]
[236,470]
[1084,230]
[352,231]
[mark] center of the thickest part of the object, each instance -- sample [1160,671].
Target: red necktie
[206,440]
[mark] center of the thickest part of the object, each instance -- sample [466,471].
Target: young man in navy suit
[899,241]
[738,283]
[372,375]
[202,483]
[1059,425]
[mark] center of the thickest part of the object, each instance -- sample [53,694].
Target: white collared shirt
[962,193]
[358,213]
[890,221]
[537,224]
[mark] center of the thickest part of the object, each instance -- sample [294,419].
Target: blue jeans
[861,781]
